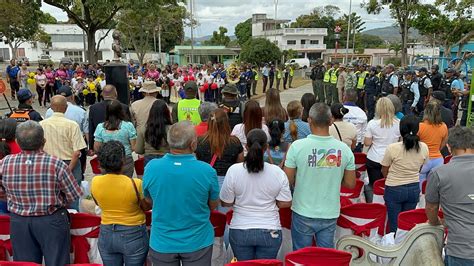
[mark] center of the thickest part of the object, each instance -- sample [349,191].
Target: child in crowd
[277,147]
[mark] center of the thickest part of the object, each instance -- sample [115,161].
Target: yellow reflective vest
[361,80]
[255,72]
[334,76]
[279,74]
[327,75]
[188,110]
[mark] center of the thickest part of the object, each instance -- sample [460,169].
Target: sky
[228,13]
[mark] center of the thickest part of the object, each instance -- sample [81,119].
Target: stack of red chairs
[140,166]
[257,263]
[360,159]
[314,256]
[353,194]
[95,166]
[362,219]
[84,234]
[379,191]
[6,250]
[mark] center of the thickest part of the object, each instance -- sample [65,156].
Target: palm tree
[396,47]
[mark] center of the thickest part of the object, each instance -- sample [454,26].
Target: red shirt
[14,147]
[201,129]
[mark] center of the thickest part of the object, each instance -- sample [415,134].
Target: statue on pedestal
[116,47]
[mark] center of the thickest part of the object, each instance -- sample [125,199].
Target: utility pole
[84,34]
[348,32]
[159,43]
[191,7]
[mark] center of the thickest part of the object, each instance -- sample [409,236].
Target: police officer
[446,86]
[425,88]
[326,82]
[410,94]
[436,77]
[360,86]
[331,93]
[317,77]
[372,90]
[390,82]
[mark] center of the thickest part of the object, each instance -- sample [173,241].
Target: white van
[302,62]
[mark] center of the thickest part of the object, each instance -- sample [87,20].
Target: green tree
[357,25]
[395,47]
[91,16]
[219,37]
[446,24]
[260,50]
[18,22]
[289,54]
[403,11]
[46,18]
[368,41]
[243,31]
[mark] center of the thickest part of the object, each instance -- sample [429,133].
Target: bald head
[59,104]
[109,92]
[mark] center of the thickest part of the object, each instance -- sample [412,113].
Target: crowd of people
[223,151]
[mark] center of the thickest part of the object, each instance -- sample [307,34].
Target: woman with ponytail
[401,167]
[342,130]
[256,190]
[295,127]
[277,147]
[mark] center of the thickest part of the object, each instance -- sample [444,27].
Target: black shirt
[97,116]
[228,158]
[34,115]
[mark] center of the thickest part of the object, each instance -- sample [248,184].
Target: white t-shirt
[254,196]
[239,132]
[381,138]
[358,118]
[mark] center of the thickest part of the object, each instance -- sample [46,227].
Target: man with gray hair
[320,164]
[452,186]
[38,187]
[187,190]
[205,110]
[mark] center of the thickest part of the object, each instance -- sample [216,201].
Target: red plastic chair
[229,215]
[345,201]
[409,219]
[447,159]
[285,217]
[140,166]
[256,263]
[360,160]
[79,244]
[5,245]
[423,186]
[218,220]
[95,166]
[363,219]
[379,191]
[18,263]
[353,194]
[314,256]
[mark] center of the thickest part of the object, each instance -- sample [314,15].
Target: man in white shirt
[390,83]
[356,116]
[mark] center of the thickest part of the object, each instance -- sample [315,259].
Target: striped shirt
[37,184]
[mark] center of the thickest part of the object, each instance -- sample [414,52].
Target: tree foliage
[46,18]
[18,22]
[219,37]
[289,54]
[403,11]
[260,50]
[243,31]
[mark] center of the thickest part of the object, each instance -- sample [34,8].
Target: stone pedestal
[116,74]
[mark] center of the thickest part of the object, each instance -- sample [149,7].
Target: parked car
[301,62]
[65,61]
[44,60]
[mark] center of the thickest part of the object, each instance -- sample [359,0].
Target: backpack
[421,87]
[21,115]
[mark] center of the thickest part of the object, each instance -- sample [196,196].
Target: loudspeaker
[116,74]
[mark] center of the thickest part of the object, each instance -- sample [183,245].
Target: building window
[20,52]
[291,42]
[314,42]
[76,56]
[4,54]
[303,41]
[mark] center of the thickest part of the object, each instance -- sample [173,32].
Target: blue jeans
[77,173]
[119,244]
[455,261]
[304,229]
[252,244]
[425,170]
[399,199]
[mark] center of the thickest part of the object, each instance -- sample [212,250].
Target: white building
[308,42]
[67,40]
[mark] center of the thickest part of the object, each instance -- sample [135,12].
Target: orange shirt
[433,136]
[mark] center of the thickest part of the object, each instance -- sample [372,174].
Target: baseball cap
[230,89]
[450,70]
[65,91]
[439,95]
[24,94]
[190,85]
[423,69]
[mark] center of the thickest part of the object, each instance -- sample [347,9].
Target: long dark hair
[4,148]
[114,115]
[218,133]
[409,126]
[276,127]
[307,100]
[257,144]
[253,116]
[338,111]
[158,119]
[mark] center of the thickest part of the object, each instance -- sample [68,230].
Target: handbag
[213,160]
[144,204]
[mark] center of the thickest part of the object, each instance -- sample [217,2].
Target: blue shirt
[76,114]
[125,134]
[302,127]
[265,71]
[12,71]
[180,187]
[457,84]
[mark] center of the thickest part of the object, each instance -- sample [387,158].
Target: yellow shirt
[63,136]
[117,199]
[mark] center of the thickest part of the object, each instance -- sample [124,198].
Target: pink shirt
[152,74]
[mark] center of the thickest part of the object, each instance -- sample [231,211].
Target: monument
[116,72]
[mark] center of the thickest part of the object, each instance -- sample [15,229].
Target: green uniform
[188,110]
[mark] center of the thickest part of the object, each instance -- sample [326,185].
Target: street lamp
[348,31]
